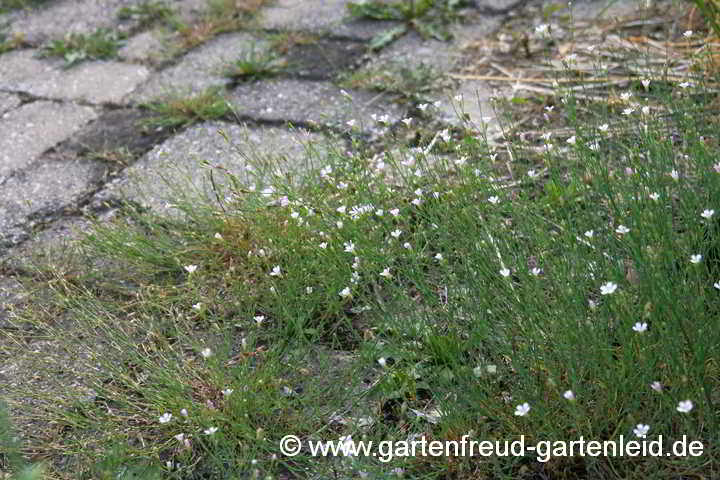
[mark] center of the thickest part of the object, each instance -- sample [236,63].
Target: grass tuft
[75,48]
[177,111]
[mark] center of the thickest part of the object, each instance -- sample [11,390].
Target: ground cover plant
[556,283]
[74,48]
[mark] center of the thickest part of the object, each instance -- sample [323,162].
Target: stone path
[58,124]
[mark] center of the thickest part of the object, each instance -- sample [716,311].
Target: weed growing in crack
[254,66]
[74,48]
[150,13]
[177,111]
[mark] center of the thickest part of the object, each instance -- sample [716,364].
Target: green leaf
[388,36]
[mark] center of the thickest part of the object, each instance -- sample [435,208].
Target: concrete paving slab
[31,195]
[8,101]
[59,18]
[33,128]
[146,47]
[319,16]
[175,168]
[95,82]
[302,102]
[201,68]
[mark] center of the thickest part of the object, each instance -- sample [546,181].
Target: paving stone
[96,82]
[146,47]
[8,101]
[201,68]
[302,102]
[59,18]
[33,128]
[175,167]
[319,16]
[45,189]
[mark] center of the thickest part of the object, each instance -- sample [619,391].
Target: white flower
[210,430]
[641,430]
[339,224]
[218,236]
[438,256]
[341,209]
[190,268]
[165,417]
[640,327]
[342,185]
[494,200]
[685,85]
[180,437]
[522,410]
[536,271]
[589,234]
[407,245]
[654,196]
[697,258]
[345,292]
[684,406]
[350,123]
[687,33]
[276,272]
[407,121]
[197,306]
[532,173]
[622,229]
[395,212]
[416,202]
[386,273]
[604,127]
[423,106]
[382,361]
[349,247]
[227,391]
[396,233]
[206,353]
[569,395]
[259,319]
[645,84]
[717,285]
[674,174]
[608,288]
[505,272]
[628,111]
[657,386]
[323,245]
[308,290]
[542,28]
[379,212]
[572,140]
[707,213]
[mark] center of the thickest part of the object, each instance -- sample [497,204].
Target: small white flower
[342,185]
[396,233]
[684,406]
[165,417]
[569,395]
[674,174]
[505,272]
[190,268]
[395,212]
[345,292]
[197,306]
[589,234]
[572,140]
[604,127]
[259,319]
[339,224]
[210,431]
[407,245]
[646,84]
[622,230]
[697,258]
[206,353]
[542,28]
[687,33]
[654,196]
[323,245]
[532,173]
[350,123]
[308,290]
[423,106]
[641,430]
[438,256]
[276,272]
[218,236]
[536,271]
[458,98]
[407,121]
[382,362]
[494,200]
[640,327]
[180,437]
[657,386]
[386,273]
[707,213]
[608,288]
[717,285]
[522,410]
[684,85]
[379,212]
[628,111]
[227,392]
[349,247]
[341,209]
[416,202]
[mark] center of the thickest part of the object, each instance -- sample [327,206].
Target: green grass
[74,48]
[150,13]
[397,292]
[255,65]
[8,5]
[177,111]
